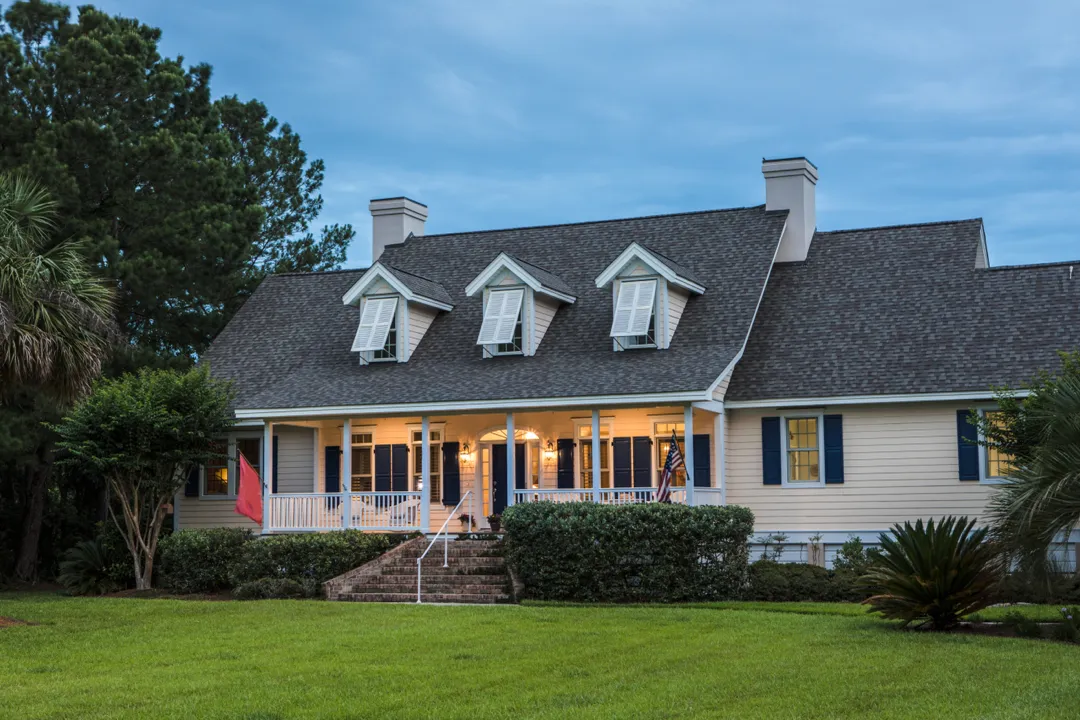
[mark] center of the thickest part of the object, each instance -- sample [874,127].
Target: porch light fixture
[549,451]
[465,454]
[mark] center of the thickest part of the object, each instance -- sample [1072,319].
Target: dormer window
[520,301]
[634,323]
[377,333]
[501,330]
[396,309]
[649,294]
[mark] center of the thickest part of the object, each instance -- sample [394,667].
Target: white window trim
[784,481]
[230,466]
[525,315]
[579,454]
[984,461]
[439,427]
[658,438]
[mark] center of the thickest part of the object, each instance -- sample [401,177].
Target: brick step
[380,580]
[440,571]
[473,599]
[498,586]
[453,552]
[437,563]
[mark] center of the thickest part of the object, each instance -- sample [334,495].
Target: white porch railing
[608,496]
[313,512]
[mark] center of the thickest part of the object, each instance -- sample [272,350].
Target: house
[822,379]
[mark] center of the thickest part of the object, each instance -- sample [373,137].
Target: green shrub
[84,569]
[198,561]
[854,557]
[1022,625]
[1069,628]
[271,589]
[798,582]
[313,558]
[648,552]
[937,572]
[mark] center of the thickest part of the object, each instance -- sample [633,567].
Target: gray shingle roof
[900,310]
[675,267]
[546,278]
[289,345]
[421,285]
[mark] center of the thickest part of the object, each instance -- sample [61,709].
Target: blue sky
[499,114]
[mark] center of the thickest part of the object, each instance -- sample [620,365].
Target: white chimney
[789,185]
[393,220]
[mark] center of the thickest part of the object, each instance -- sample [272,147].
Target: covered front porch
[421,473]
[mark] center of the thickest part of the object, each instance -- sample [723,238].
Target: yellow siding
[900,463]
[721,389]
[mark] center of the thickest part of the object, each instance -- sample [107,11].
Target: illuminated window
[998,462]
[803,460]
[363,467]
[435,440]
[216,479]
[662,440]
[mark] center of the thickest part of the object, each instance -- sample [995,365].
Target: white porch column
[596,456]
[688,435]
[346,473]
[719,453]
[425,475]
[268,472]
[511,459]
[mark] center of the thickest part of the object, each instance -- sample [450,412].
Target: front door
[498,474]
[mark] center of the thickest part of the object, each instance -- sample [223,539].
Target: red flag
[249,499]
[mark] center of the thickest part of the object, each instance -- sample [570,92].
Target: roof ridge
[318,272]
[1034,266]
[395,268]
[588,222]
[901,225]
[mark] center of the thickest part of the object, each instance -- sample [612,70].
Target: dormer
[519,302]
[649,292]
[396,309]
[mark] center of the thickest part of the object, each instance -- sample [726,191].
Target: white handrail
[446,542]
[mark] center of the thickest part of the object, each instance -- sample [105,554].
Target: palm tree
[56,325]
[1040,498]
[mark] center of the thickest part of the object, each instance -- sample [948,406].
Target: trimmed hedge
[797,582]
[647,552]
[313,558]
[198,561]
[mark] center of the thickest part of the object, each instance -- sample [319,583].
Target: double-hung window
[436,462]
[802,451]
[501,330]
[634,323]
[377,333]
[585,443]
[363,462]
[221,473]
[216,472]
[996,462]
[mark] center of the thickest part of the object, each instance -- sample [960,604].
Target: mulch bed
[12,622]
[155,594]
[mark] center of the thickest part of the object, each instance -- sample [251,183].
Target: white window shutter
[633,308]
[500,316]
[375,324]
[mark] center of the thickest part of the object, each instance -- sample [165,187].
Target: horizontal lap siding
[296,459]
[196,513]
[900,463]
[676,303]
[420,319]
[544,312]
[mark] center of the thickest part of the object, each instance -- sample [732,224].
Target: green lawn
[284,659]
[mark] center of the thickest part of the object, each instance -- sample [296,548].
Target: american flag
[674,462]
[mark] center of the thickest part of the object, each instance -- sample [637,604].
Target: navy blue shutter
[382,468]
[520,477]
[191,487]
[565,473]
[273,480]
[834,448]
[451,479]
[498,478]
[702,461]
[967,438]
[620,449]
[642,462]
[333,469]
[399,467]
[771,447]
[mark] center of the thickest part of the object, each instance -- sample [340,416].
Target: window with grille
[363,462]
[435,440]
[662,441]
[803,460]
[216,477]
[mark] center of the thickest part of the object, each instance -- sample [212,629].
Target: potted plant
[466,522]
[495,521]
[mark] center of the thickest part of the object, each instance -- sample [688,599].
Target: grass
[91,657]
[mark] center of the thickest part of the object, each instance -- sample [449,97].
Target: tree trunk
[27,565]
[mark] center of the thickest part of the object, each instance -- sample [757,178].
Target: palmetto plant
[1040,499]
[55,317]
[935,572]
[85,569]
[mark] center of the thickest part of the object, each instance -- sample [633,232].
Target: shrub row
[633,553]
[203,561]
[771,581]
